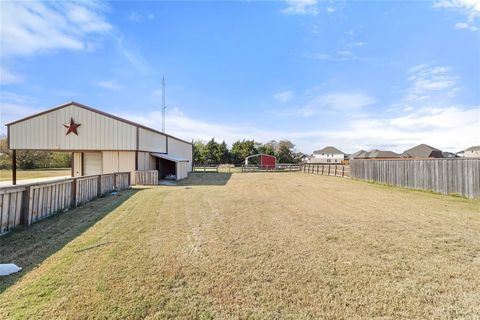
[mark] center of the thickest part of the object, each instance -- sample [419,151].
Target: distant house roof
[474,148]
[328,149]
[377,154]
[423,151]
[356,154]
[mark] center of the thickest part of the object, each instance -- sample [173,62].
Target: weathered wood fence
[446,176]
[338,170]
[205,168]
[146,177]
[29,203]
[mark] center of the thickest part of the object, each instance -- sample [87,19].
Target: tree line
[32,159]
[214,153]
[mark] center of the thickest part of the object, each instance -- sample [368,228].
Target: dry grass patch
[263,245]
[6,175]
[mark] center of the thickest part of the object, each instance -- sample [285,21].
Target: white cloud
[332,102]
[32,28]
[425,80]
[452,128]
[14,106]
[469,8]
[341,55]
[29,28]
[138,17]
[301,7]
[284,96]
[465,25]
[8,77]
[108,84]
[135,17]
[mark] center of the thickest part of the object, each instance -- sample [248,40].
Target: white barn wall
[181,149]
[96,132]
[118,161]
[146,161]
[151,141]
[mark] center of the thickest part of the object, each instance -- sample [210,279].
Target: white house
[472,152]
[329,154]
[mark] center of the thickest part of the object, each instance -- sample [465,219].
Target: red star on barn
[72,127]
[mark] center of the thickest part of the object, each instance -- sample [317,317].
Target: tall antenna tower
[163,103]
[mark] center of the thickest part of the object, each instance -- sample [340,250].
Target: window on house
[328,160]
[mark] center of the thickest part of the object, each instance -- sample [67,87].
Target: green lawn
[258,246]
[6,175]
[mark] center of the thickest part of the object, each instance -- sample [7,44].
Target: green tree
[210,152]
[266,149]
[30,159]
[284,152]
[198,151]
[242,149]
[222,154]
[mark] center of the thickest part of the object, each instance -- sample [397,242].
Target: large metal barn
[100,142]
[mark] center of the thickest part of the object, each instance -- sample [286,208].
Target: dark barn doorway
[165,167]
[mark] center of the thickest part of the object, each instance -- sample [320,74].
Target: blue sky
[357,75]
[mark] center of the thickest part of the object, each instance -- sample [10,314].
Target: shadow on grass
[205,179]
[28,247]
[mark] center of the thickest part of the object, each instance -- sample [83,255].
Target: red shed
[265,161]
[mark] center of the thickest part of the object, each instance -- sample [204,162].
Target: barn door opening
[165,168]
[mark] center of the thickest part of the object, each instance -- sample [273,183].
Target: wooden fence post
[73,200]
[99,185]
[343,171]
[27,204]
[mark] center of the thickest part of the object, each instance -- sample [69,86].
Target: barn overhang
[168,157]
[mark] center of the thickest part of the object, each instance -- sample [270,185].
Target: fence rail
[338,170]
[205,168]
[29,203]
[446,176]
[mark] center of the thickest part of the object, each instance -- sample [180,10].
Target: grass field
[258,245]
[6,175]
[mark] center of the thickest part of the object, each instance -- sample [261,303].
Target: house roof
[420,151]
[329,149]
[73,103]
[378,154]
[474,148]
[356,154]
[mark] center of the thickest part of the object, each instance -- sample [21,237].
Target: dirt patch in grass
[263,245]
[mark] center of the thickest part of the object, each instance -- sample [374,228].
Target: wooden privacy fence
[337,170]
[446,176]
[29,203]
[10,207]
[146,177]
[288,166]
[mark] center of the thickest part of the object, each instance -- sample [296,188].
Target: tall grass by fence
[337,170]
[29,203]
[446,176]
